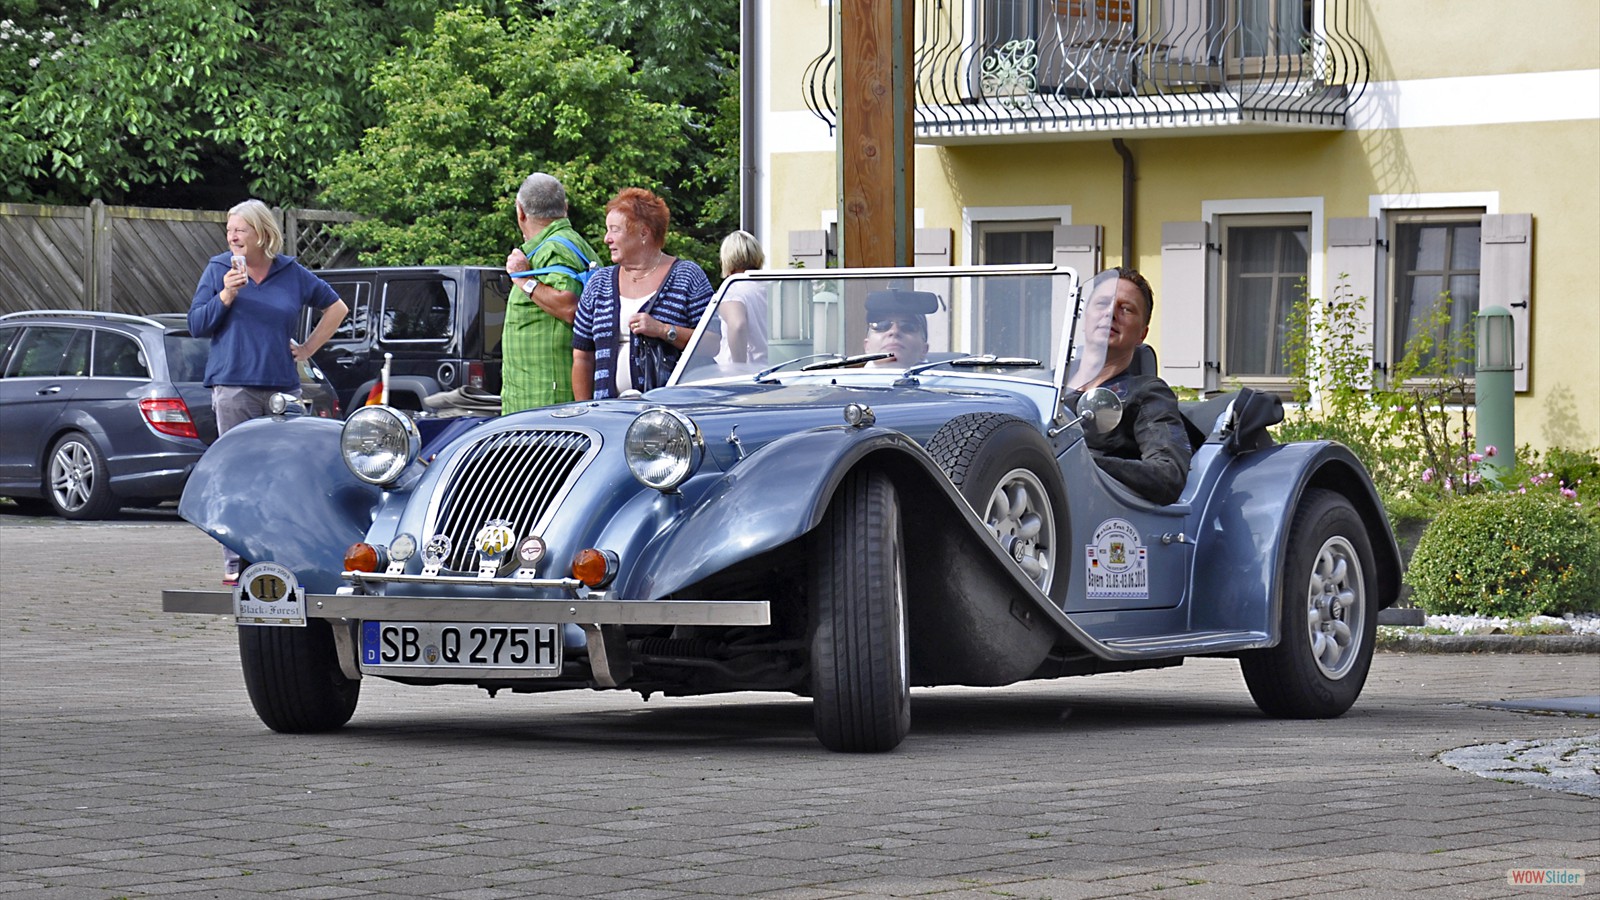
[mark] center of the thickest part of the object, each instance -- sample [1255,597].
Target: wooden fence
[132,259]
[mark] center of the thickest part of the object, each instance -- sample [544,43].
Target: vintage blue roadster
[895,491]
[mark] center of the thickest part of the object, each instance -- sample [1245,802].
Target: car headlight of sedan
[664,447]
[378,443]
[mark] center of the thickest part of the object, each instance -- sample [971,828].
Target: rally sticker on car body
[1119,567]
[269,594]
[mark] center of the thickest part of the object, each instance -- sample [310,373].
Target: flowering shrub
[1413,434]
[1509,554]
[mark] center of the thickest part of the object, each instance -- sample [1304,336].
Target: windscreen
[884,322]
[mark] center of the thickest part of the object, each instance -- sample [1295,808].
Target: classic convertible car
[897,492]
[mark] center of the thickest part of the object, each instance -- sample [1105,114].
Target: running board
[1188,643]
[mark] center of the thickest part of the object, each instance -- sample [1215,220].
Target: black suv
[441,324]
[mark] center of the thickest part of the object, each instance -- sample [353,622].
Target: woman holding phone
[248,302]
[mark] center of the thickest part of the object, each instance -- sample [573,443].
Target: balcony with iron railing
[1007,70]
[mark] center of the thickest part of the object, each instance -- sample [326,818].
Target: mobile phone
[238,262]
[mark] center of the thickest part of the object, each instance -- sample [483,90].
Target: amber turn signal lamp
[594,568]
[362,557]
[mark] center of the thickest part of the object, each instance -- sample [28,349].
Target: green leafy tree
[475,107]
[168,102]
[687,53]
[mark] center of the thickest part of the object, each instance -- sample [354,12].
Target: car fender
[776,495]
[975,618]
[277,489]
[1248,520]
[73,419]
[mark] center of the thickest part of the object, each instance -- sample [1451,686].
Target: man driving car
[897,323]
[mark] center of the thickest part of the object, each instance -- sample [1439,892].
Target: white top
[629,306]
[752,295]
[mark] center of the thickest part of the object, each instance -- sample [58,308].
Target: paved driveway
[133,766]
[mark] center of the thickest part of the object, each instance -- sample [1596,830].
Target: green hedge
[1508,554]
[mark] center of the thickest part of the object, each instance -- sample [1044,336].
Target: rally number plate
[480,648]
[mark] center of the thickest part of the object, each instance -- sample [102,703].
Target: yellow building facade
[1420,156]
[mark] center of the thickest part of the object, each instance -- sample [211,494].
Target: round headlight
[378,443]
[664,448]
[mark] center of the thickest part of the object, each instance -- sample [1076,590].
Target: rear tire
[77,482]
[293,677]
[1330,618]
[860,661]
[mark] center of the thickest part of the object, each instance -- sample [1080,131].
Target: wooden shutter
[809,248]
[1077,247]
[1353,267]
[1182,302]
[934,247]
[1506,278]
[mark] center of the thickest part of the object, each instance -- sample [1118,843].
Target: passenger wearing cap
[897,323]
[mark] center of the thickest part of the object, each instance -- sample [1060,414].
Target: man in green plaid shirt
[536,346]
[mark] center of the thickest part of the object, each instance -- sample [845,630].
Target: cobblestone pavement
[133,766]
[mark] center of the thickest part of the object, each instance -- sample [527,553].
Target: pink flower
[1490,450]
[1569,493]
[1427,475]
[1475,457]
[1448,484]
[1473,478]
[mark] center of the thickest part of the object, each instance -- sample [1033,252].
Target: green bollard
[1496,392]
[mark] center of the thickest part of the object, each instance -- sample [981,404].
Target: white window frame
[1386,208]
[975,218]
[1213,212]
[1259,381]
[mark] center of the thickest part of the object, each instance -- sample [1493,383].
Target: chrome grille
[518,476]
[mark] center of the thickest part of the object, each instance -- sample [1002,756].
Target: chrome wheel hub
[1336,609]
[1019,516]
[71,476]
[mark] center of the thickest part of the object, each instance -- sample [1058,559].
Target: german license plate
[525,650]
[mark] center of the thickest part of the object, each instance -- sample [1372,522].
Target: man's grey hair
[542,197]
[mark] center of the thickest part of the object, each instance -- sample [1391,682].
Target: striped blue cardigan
[681,300]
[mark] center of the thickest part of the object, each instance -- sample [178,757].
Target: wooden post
[875,115]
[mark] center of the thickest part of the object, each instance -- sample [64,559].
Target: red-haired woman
[645,295]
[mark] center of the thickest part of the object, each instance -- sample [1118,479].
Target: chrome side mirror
[1099,410]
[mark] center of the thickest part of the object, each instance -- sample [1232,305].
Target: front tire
[1330,617]
[1004,469]
[77,482]
[860,660]
[293,677]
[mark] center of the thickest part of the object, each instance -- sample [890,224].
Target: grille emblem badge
[494,542]
[434,553]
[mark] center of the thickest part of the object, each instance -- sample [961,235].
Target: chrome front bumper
[601,620]
[459,609]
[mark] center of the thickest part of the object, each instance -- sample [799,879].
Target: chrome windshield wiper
[847,361]
[988,360]
[789,362]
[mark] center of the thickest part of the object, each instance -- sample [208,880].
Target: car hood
[739,418]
